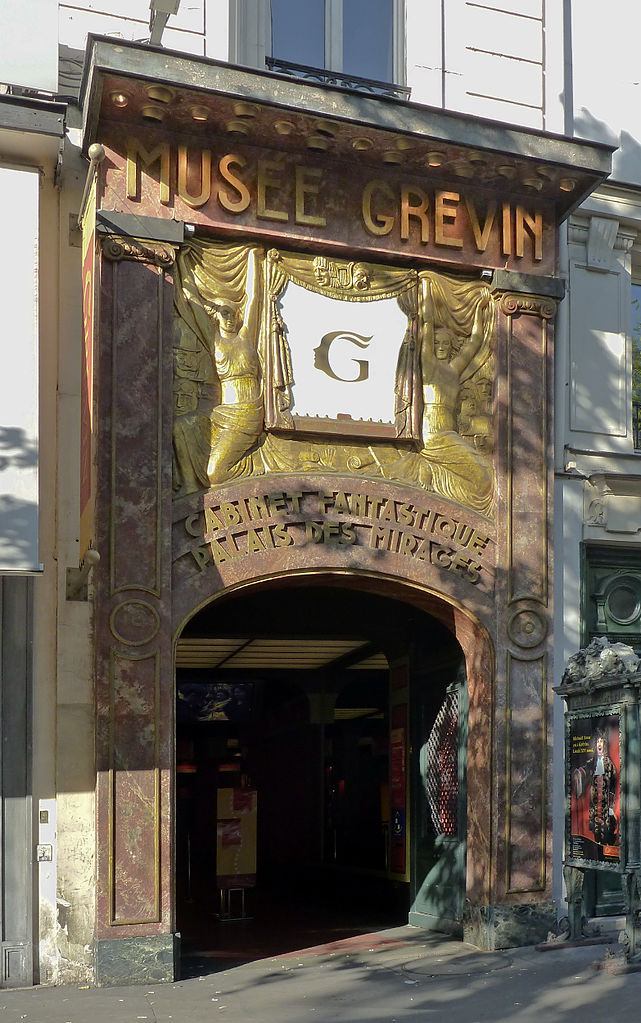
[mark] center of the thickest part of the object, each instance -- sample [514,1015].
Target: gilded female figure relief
[238,421]
[448,356]
[212,445]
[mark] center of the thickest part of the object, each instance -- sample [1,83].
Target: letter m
[139,157]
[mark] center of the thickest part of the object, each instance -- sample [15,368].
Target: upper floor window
[298,31]
[361,38]
[368,36]
[636,363]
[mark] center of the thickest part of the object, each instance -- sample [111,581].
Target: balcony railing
[636,424]
[337,78]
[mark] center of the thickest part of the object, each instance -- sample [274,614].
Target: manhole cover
[475,962]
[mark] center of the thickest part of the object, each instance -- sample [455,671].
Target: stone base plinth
[495,927]
[435,923]
[154,959]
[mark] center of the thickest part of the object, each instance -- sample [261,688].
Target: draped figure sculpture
[213,446]
[238,420]
[449,356]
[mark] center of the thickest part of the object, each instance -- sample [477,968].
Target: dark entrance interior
[306,720]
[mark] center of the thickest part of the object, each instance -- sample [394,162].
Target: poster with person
[594,756]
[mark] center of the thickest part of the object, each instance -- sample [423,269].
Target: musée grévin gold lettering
[246,526]
[301,194]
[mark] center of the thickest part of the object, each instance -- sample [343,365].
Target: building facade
[219,424]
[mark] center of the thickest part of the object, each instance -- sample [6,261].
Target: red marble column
[134,674]
[524,609]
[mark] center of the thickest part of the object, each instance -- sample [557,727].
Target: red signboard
[398,788]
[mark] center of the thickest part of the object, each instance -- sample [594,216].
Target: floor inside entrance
[278,922]
[284,769]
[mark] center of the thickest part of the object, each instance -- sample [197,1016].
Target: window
[612,595]
[368,33]
[297,31]
[636,363]
[363,38]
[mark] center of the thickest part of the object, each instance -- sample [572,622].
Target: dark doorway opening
[301,814]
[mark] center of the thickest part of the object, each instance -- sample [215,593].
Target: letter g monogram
[321,355]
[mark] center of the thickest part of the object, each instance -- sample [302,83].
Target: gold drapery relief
[218,296]
[233,373]
[349,282]
[456,328]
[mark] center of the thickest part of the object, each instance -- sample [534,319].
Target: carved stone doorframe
[508,861]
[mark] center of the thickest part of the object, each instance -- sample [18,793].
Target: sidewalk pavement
[396,976]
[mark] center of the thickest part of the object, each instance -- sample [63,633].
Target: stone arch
[478,649]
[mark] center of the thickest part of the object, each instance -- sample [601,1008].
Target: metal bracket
[573,930]
[78,578]
[131,225]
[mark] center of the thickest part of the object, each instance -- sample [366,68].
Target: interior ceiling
[290,654]
[304,628]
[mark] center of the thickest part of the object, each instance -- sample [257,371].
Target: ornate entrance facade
[323,349]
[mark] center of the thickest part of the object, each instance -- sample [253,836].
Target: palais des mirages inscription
[250,526]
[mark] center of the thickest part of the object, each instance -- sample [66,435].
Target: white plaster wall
[598,414]
[218,29]
[483,58]
[424,51]
[129,19]
[27,58]
[557,64]
[606,80]
[45,586]
[75,770]
[20,190]
[568,526]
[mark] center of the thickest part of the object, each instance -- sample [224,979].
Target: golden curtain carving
[233,373]
[350,282]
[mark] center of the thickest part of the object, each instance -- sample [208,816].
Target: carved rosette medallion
[134,622]
[526,628]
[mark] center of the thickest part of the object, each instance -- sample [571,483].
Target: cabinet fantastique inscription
[248,526]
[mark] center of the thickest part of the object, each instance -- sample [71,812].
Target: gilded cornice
[117,249]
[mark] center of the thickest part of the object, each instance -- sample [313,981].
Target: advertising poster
[237,811]
[595,789]
[214,701]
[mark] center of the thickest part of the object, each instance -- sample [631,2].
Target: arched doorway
[331,712]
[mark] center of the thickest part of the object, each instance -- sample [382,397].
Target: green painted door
[439,808]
